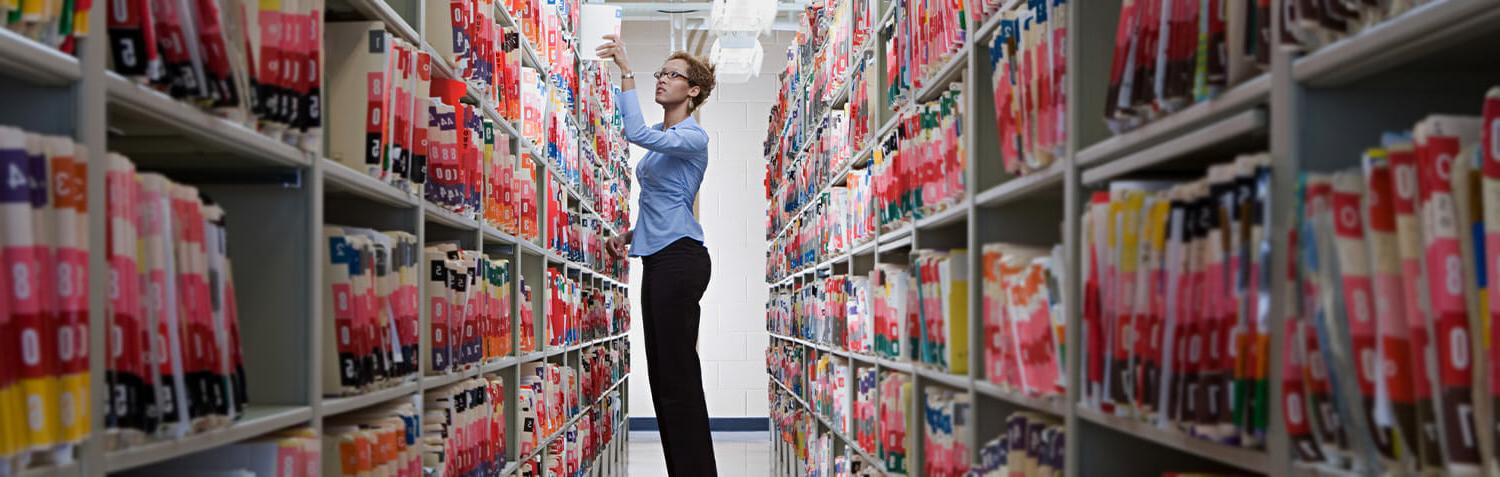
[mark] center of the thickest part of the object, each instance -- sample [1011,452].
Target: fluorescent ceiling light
[736,64]
[752,16]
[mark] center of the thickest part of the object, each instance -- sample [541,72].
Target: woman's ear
[694,92]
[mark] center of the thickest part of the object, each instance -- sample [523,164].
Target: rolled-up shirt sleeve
[672,142]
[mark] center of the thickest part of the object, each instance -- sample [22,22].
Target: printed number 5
[127,52]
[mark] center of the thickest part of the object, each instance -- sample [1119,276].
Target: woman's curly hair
[700,73]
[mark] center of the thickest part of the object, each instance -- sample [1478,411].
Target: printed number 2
[31,347]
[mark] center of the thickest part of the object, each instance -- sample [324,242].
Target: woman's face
[672,89]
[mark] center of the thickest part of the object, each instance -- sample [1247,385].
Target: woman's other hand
[614,49]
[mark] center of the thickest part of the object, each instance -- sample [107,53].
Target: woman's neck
[674,114]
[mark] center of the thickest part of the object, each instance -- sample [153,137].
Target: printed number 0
[65,343]
[31,347]
[1495,139]
[1458,344]
[1294,408]
[121,10]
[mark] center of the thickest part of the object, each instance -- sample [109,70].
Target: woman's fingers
[608,50]
[612,49]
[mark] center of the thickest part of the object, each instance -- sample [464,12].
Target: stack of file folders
[1392,261]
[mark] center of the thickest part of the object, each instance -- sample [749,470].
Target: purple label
[39,181]
[15,176]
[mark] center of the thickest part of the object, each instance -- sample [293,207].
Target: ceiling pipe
[652,9]
[700,22]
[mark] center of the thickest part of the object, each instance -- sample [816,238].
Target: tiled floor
[739,454]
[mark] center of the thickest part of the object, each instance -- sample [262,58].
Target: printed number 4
[15,178]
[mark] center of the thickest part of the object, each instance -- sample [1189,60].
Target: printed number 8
[20,276]
[1453,273]
[36,414]
[65,280]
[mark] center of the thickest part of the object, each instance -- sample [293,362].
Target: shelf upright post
[1284,107]
[1082,57]
[879,367]
[513,377]
[314,269]
[975,248]
[916,428]
[90,107]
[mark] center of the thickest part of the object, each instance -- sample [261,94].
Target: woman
[670,241]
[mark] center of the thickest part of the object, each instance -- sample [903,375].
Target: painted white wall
[732,209]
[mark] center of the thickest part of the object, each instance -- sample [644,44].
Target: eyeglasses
[668,74]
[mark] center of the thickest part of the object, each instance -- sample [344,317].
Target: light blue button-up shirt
[669,177]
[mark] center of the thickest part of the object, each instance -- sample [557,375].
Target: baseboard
[715,424]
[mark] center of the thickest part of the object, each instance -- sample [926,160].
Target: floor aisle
[739,454]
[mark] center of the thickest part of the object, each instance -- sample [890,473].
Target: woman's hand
[614,49]
[616,246]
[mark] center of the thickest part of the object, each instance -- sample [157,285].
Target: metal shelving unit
[278,197]
[258,421]
[35,62]
[1313,111]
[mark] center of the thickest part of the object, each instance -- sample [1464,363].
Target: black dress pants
[674,281]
